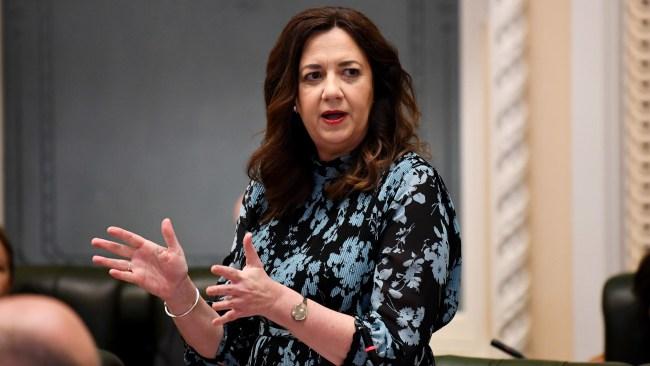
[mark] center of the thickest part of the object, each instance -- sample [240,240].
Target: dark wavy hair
[4,243]
[283,162]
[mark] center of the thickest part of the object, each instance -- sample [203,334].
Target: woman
[6,264]
[347,248]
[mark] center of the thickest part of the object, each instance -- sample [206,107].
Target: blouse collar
[332,168]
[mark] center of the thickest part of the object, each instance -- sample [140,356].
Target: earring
[295,110]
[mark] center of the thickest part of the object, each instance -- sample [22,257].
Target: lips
[334,116]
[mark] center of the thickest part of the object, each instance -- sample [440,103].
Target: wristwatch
[299,311]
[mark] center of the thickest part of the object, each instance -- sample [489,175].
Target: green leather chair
[627,323]
[124,319]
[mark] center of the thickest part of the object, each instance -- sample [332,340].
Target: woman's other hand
[156,269]
[249,291]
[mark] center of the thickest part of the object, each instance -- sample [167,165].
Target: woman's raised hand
[250,291]
[156,269]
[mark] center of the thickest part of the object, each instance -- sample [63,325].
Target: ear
[296,106]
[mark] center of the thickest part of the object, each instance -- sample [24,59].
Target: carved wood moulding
[509,192]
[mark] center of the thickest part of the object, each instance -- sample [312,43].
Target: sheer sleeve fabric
[239,335]
[417,276]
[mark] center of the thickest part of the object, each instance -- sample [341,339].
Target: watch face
[299,312]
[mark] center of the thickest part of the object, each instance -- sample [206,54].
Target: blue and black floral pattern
[390,257]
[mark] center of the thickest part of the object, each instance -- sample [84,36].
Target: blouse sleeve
[417,276]
[239,335]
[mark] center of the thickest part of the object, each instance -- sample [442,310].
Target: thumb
[252,259]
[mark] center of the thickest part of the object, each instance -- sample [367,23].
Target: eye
[351,72]
[311,76]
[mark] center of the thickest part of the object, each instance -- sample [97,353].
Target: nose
[332,89]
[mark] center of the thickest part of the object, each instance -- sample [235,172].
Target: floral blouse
[391,258]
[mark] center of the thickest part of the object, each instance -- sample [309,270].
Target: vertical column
[636,64]
[509,192]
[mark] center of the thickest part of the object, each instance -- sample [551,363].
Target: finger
[229,273]
[118,264]
[252,259]
[220,290]
[125,276]
[225,318]
[226,304]
[113,247]
[134,240]
[168,234]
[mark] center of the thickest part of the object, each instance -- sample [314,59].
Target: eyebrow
[340,64]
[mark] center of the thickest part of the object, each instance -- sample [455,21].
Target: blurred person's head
[6,264]
[37,330]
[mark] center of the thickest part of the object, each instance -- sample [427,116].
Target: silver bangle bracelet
[196,301]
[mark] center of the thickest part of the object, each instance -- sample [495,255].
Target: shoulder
[254,192]
[411,161]
[254,201]
[407,171]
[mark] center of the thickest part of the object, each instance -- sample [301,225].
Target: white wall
[549,138]
[596,185]
[468,333]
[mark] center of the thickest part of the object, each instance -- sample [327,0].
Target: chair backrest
[627,322]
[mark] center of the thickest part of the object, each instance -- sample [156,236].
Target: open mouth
[333,116]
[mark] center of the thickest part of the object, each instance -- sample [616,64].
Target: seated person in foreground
[38,330]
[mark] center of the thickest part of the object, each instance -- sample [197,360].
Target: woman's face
[334,93]
[5,280]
